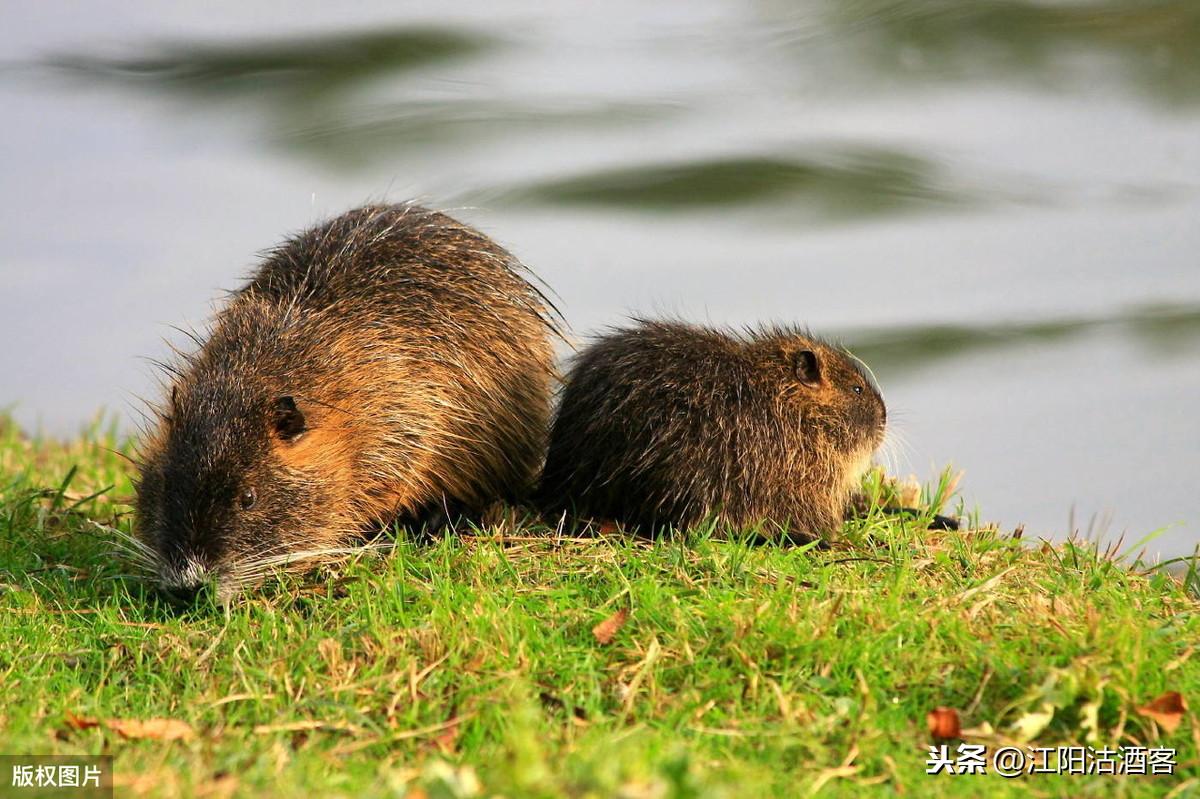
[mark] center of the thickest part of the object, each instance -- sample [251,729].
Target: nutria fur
[384,365]
[665,423]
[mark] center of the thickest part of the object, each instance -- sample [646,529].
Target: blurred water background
[995,202]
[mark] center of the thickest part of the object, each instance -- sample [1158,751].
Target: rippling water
[996,203]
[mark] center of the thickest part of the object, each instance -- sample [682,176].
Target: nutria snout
[668,424]
[384,365]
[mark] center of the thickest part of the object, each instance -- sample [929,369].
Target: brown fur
[665,423]
[384,365]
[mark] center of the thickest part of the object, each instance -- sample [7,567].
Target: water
[997,204]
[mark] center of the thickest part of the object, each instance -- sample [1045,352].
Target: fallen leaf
[1030,725]
[984,730]
[79,722]
[447,740]
[1167,710]
[943,722]
[156,729]
[605,630]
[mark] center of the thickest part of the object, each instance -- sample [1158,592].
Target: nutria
[669,424]
[385,365]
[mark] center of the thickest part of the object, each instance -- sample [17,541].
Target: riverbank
[512,661]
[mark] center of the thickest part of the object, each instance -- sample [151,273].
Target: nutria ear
[806,366]
[288,419]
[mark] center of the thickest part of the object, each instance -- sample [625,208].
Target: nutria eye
[858,389]
[249,496]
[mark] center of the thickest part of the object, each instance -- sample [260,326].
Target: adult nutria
[384,365]
[665,423]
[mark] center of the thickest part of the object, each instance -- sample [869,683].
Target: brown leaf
[1167,710]
[447,740]
[79,722]
[605,630]
[943,722]
[156,729]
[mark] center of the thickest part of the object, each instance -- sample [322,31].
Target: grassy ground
[469,667]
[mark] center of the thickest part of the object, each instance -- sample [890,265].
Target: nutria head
[842,414]
[223,490]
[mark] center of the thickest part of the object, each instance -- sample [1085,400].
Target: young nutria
[666,423]
[387,364]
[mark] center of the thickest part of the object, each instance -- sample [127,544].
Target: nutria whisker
[123,537]
[133,558]
[131,547]
[299,555]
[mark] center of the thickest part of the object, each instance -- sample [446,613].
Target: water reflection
[294,69]
[1151,46]
[829,182]
[359,138]
[1165,330]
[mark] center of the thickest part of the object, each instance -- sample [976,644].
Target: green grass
[468,667]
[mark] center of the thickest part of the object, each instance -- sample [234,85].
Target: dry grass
[521,662]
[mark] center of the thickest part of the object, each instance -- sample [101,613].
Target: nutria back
[665,423]
[386,364]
